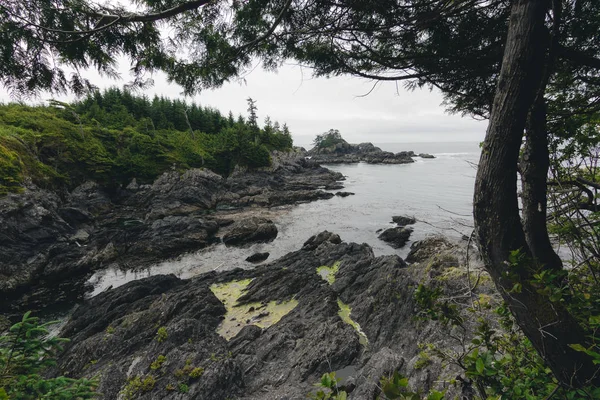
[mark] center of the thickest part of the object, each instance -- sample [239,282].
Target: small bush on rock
[26,351]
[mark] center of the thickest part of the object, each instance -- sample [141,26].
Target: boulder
[427,248]
[344,194]
[425,155]
[250,230]
[402,220]
[396,237]
[258,257]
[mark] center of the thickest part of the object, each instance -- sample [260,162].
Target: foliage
[496,359]
[183,388]
[138,385]
[26,352]
[161,334]
[395,387]
[158,363]
[328,389]
[328,139]
[113,137]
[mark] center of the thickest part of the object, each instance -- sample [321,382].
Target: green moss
[196,373]
[157,364]
[238,316]
[183,388]
[328,273]
[424,358]
[161,334]
[344,314]
[137,386]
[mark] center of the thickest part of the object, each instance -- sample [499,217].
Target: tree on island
[531,66]
[328,139]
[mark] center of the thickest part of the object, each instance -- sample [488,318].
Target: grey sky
[311,106]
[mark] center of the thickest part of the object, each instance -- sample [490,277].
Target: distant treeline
[114,136]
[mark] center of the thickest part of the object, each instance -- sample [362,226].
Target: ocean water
[438,192]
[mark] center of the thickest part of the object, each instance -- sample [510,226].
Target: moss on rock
[238,316]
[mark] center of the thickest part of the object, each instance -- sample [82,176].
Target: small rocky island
[331,148]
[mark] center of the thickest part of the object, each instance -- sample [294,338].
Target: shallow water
[438,192]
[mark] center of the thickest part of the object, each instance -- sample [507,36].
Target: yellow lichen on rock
[238,316]
[344,314]
[328,273]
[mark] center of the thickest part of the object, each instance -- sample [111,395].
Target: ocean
[437,192]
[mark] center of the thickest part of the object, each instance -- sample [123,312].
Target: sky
[310,106]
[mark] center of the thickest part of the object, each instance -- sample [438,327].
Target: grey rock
[43,237]
[346,153]
[81,236]
[397,236]
[425,155]
[250,230]
[403,220]
[258,257]
[114,335]
[427,248]
[344,194]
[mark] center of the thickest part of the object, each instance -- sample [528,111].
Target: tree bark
[498,225]
[534,177]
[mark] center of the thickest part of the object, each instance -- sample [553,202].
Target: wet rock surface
[120,334]
[403,220]
[258,257]
[250,230]
[396,236]
[52,242]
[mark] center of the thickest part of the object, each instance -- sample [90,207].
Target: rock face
[402,220]
[164,331]
[52,242]
[396,236]
[250,230]
[346,153]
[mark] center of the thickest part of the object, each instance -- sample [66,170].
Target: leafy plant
[138,385]
[328,389]
[157,364]
[26,351]
[395,387]
[161,334]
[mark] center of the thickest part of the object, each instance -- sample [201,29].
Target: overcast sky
[311,106]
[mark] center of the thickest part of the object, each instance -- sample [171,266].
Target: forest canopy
[114,136]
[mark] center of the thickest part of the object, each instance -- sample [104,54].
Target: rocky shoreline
[163,337]
[266,332]
[53,242]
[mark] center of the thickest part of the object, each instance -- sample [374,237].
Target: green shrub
[161,334]
[111,142]
[26,351]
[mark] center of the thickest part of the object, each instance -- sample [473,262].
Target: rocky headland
[51,242]
[343,152]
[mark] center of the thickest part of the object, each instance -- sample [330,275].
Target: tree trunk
[496,210]
[534,173]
